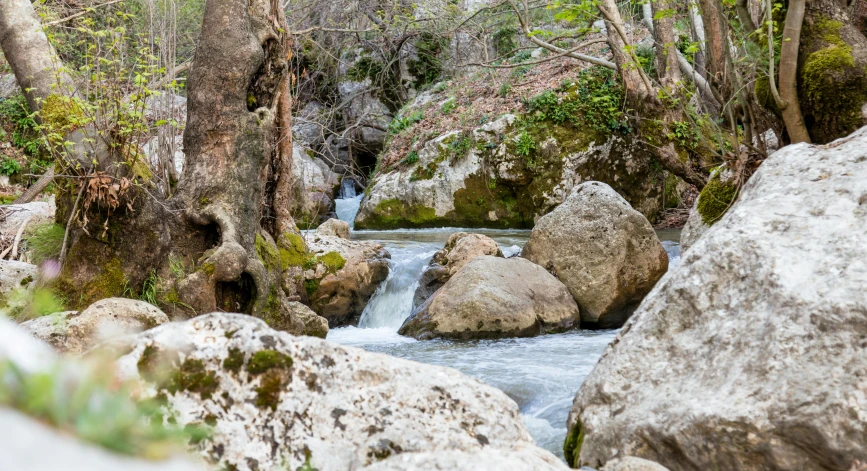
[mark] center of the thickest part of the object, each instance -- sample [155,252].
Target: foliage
[23,304]
[400,123]
[504,40]
[525,144]
[25,134]
[91,405]
[411,158]
[45,242]
[9,166]
[366,67]
[448,106]
[504,89]
[427,67]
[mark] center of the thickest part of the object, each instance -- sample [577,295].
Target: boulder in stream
[275,401]
[75,333]
[493,297]
[334,227]
[520,458]
[605,252]
[460,248]
[750,355]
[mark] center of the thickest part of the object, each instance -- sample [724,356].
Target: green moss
[264,360]
[333,261]
[268,253]
[109,283]
[268,391]
[148,363]
[572,445]
[208,268]
[715,199]
[293,251]
[393,213]
[193,377]
[234,361]
[311,286]
[672,197]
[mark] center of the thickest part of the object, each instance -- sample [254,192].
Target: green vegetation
[715,199]
[94,408]
[333,261]
[23,304]
[427,66]
[400,123]
[411,158]
[448,106]
[9,166]
[572,445]
[44,242]
[264,360]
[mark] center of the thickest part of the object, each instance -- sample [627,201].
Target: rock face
[340,287]
[273,398]
[75,333]
[304,321]
[605,252]
[750,354]
[478,179]
[313,186]
[334,227]
[693,229]
[460,248]
[486,459]
[631,463]
[494,297]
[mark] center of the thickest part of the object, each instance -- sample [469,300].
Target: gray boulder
[16,275]
[274,400]
[74,332]
[605,252]
[486,459]
[493,297]
[631,463]
[334,227]
[750,355]
[12,216]
[460,248]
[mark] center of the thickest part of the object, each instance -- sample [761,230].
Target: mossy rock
[715,199]
[572,445]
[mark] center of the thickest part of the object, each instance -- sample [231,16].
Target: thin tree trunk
[788,90]
[663,32]
[716,33]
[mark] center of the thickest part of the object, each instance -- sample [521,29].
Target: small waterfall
[347,188]
[391,304]
[347,205]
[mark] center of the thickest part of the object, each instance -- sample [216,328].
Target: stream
[541,374]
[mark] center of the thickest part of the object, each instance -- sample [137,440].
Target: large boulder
[460,248]
[277,401]
[605,252]
[493,297]
[479,177]
[520,458]
[334,227]
[749,355]
[77,332]
[631,463]
[344,278]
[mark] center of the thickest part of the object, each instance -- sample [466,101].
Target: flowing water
[542,374]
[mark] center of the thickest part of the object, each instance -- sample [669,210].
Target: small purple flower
[49,270]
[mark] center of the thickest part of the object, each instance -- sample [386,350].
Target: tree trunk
[791,106]
[663,33]
[832,72]
[716,33]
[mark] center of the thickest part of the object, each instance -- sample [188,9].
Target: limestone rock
[303,321]
[342,290]
[605,252]
[15,274]
[750,354]
[493,297]
[476,179]
[631,463]
[486,459]
[272,397]
[693,229]
[8,86]
[313,186]
[75,333]
[460,248]
[334,227]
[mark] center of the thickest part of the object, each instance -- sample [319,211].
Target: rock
[308,128]
[750,354]
[631,463]
[12,216]
[313,186]
[303,321]
[477,179]
[460,248]
[15,274]
[493,297]
[486,459]
[8,86]
[605,252]
[22,438]
[23,350]
[341,286]
[74,333]
[334,227]
[273,398]
[693,229]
